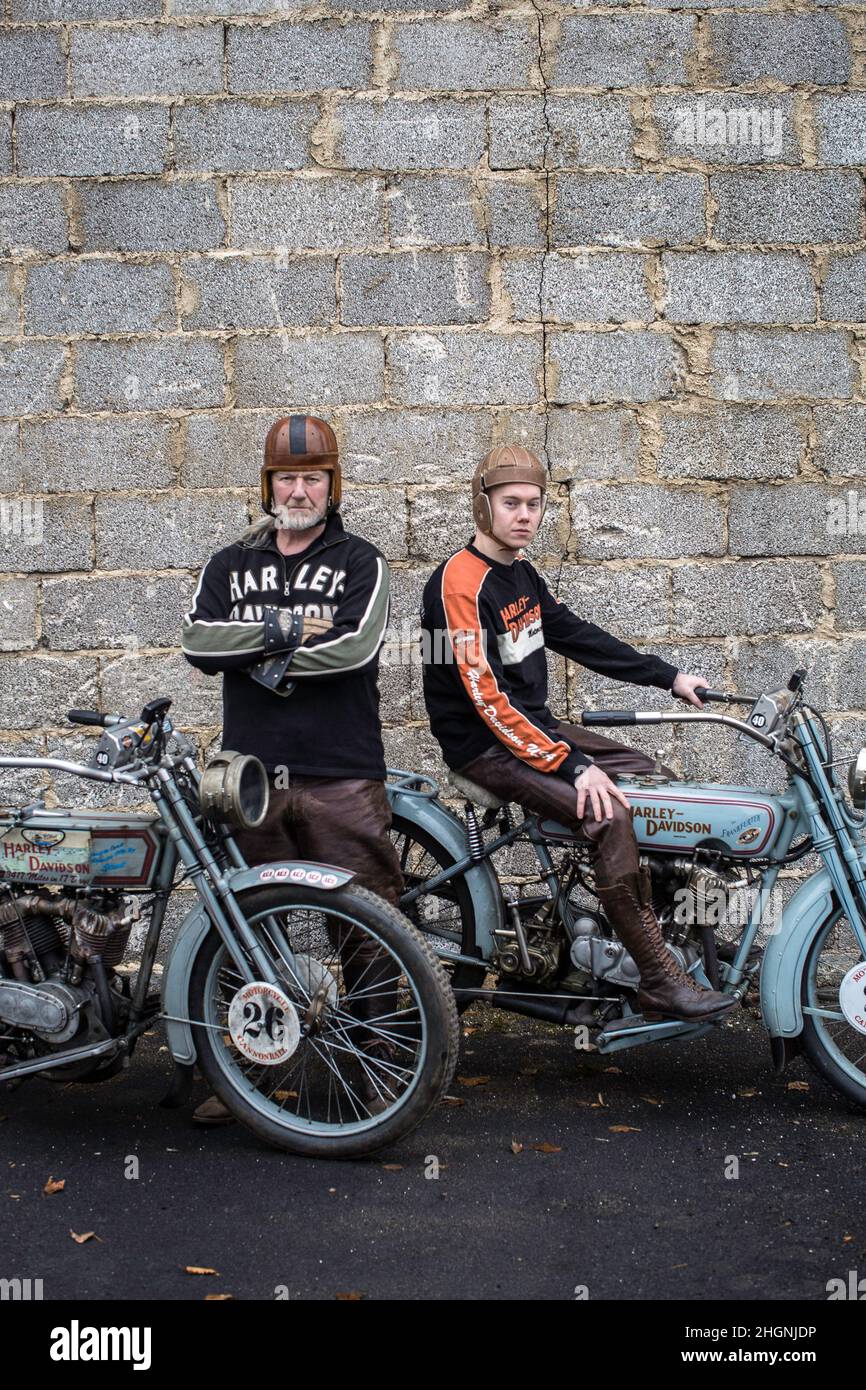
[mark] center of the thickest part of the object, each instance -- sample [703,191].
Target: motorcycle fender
[785,956]
[175,983]
[195,927]
[430,815]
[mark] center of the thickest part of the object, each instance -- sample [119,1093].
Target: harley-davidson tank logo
[749,836]
[43,839]
[666,818]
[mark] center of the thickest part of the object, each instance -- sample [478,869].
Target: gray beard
[298,520]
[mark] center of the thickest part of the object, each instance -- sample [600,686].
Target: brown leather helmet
[297,442]
[509,463]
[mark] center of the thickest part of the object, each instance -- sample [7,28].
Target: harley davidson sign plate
[44,856]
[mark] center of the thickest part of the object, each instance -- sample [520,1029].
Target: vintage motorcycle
[318,1015]
[555,955]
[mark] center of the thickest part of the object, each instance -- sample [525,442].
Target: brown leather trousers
[330,820]
[343,821]
[612,842]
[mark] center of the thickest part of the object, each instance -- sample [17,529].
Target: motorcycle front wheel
[834,1047]
[379,1032]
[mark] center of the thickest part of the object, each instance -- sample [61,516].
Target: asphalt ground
[598,1212]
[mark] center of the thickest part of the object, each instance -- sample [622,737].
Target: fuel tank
[96,849]
[677,816]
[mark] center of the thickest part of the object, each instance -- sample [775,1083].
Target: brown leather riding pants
[611,841]
[330,820]
[342,821]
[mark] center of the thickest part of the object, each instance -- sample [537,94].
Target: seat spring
[474,837]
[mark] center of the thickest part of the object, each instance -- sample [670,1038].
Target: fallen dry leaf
[846,1239]
[453,1100]
[748,1093]
[547,1148]
[651,1100]
[624,1129]
[473,1080]
[285,1095]
[54,1185]
[598,1104]
[782,1165]
[515,1147]
[797,1086]
[199,1269]
[217,1297]
[614,1071]
[85,1236]
[467,1032]
[393,1167]
[351,1297]
[679,1266]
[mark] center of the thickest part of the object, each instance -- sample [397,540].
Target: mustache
[287,518]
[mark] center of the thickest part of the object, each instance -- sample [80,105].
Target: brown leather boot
[664,987]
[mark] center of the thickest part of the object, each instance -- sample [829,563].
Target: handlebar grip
[608,716]
[86,716]
[712,696]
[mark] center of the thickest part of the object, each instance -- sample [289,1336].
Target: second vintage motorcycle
[554,955]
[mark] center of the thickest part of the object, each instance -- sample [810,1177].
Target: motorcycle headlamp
[857,780]
[234,789]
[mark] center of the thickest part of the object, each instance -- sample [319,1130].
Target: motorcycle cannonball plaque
[852,997]
[263,1024]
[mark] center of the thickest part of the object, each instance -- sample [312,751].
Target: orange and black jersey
[485,627]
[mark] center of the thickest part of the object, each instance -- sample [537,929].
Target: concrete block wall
[630,236]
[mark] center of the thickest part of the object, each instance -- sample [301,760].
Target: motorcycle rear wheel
[321,1101]
[447,909]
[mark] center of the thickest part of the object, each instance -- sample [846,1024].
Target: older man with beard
[293,616]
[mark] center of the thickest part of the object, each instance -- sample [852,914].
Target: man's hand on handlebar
[685,686]
[596,785]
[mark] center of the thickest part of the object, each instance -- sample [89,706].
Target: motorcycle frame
[217,886]
[812,799]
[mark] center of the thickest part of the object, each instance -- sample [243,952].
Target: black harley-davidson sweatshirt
[328,725]
[485,627]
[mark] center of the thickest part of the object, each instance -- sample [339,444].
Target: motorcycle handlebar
[629,716]
[91,716]
[608,716]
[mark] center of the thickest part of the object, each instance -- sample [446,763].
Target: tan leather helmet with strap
[509,463]
[297,442]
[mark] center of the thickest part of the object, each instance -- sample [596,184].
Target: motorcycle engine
[684,893]
[57,957]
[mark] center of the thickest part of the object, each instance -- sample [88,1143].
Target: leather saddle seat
[479,796]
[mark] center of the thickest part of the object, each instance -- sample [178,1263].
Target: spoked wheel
[363,1023]
[445,915]
[834,1047]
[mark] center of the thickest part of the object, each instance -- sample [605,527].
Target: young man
[488,709]
[293,616]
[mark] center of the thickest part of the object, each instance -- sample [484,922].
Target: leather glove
[271,672]
[283,629]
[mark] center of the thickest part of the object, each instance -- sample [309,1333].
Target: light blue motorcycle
[316,1013]
[714,852]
